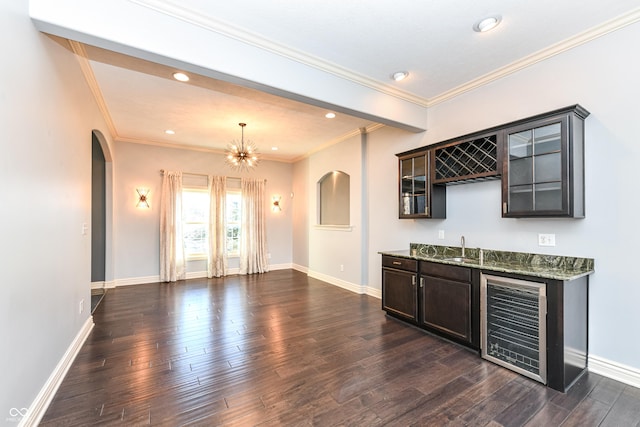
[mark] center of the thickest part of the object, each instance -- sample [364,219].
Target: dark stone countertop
[537,265]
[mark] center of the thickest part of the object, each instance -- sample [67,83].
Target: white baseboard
[373,292]
[358,289]
[190,275]
[43,399]
[274,267]
[300,268]
[136,280]
[97,285]
[110,284]
[614,370]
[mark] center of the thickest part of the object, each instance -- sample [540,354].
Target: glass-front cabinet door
[414,185]
[543,171]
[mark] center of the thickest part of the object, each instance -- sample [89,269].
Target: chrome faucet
[462,244]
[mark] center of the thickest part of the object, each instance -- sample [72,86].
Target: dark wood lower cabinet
[399,295]
[446,302]
[437,297]
[447,305]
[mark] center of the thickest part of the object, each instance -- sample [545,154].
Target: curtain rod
[202,174]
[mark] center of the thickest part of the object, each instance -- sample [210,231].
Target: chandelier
[241,155]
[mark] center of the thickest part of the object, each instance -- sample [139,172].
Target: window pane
[234,215]
[195,238]
[233,238]
[520,144]
[195,213]
[548,167]
[521,198]
[195,206]
[520,171]
[547,139]
[233,207]
[548,196]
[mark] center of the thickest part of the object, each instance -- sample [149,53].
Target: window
[232,224]
[195,216]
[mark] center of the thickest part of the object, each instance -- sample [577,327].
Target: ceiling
[359,39]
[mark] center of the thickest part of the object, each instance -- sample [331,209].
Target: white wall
[137,231]
[331,249]
[47,114]
[301,218]
[602,76]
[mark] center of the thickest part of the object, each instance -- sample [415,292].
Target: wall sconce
[143,198]
[275,205]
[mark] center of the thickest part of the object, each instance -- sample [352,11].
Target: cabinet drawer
[400,263]
[446,271]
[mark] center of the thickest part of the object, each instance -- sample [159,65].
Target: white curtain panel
[217,257]
[253,237]
[172,259]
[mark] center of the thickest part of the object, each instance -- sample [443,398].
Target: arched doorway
[101,198]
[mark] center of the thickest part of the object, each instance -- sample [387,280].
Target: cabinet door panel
[546,152]
[521,198]
[548,167]
[520,144]
[399,294]
[547,139]
[521,171]
[548,197]
[446,305]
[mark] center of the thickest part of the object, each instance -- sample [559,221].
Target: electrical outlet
[440,234]
[341,267]
[85,227]
[81,306]
[269,255]
[546,239]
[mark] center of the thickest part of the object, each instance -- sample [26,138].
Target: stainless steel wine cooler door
[513,325]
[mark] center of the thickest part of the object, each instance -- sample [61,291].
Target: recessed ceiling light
[330,115]
[181,77]
[170,132]
[400,75]
[274,148]
[486,24]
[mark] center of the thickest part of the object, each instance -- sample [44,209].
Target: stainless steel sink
[460,259]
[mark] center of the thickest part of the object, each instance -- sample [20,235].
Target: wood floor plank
[549,415]
[285,349]
[589,413]
[625,410]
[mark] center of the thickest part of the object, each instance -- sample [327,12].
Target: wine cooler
[513,325]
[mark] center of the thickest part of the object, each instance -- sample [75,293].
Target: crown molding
[78,49]
[177,11]
[339,139]
[541,55]
[180,146]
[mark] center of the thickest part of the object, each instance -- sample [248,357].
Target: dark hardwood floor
[284,349]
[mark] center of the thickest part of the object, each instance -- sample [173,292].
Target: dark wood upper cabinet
[418,197]
[540,160]
[466,159]
[543,166]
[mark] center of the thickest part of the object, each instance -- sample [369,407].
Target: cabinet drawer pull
[504,208]
[397,263]
[413,280]
[422,282]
